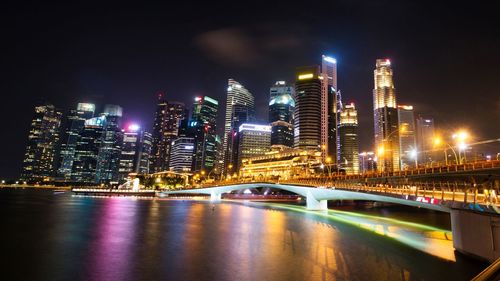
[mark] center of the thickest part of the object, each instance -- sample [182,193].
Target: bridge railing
[431,192]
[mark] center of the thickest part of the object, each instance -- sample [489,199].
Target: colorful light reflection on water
[432,240]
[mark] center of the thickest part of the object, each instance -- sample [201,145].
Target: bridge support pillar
[314,204]
[476,234]
[215,197]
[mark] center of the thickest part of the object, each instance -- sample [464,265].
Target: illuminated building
[348,139]
[72,128]
[240,108]
[108,158]
[385,117]
[182,154]
[330,102]
[407,139]
[281,107]
[167,119]
[39,162]
[286,164]
[367,162]
[136,149]
[87,150]
[308,109]
[425,136]
[205,118]
[253,140]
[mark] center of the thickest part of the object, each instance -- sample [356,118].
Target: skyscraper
[425,135]
[87,151]
[385,117]
[281,109]
[329,107]
[240,108]
[308,125]
[136,148]
[182,154]
[165,129]
[205,117]
[348,139]
[407,139]
[254,140]
[108,159]
[72,129]
[40,158]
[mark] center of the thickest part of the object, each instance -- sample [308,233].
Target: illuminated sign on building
[306,76]
[329,59]
[254,127]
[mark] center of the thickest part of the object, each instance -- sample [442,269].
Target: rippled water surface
[45,236]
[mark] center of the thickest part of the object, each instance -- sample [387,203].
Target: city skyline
[415,78]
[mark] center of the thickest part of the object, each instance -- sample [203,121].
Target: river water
[47,236]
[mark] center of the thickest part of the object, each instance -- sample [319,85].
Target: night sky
[445,58]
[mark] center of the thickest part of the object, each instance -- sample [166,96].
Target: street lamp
[460,138]
[438,141]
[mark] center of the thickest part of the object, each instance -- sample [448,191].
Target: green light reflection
[432,240]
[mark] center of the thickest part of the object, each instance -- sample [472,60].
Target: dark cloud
[252,45]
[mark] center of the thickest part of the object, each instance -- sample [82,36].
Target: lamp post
[460,138]
[438,141]
[328,161]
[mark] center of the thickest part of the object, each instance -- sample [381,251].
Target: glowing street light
[414,155]
[460,137]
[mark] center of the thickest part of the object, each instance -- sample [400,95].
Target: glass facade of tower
[425,135]
[254,140]
[39,162]
[205,117]
[407,139]
[182,154]
[240,108]
[167,120]
[108,159]
[281,110]
[329,107]
[386,124]
[348,139]
[87,151]
[72,129]
[308,108]
[135,152]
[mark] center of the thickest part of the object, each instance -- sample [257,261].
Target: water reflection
[110,251]
[126,239]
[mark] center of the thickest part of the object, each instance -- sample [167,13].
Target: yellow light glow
[328,159]
[437,141]
[380,150]
[306,76]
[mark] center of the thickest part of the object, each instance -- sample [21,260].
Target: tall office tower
[71,132]
[182,154]
[367,162]
[87,151]
[136,148]
[165,129]
[254,140]
[308,124]
[329,107]
[425,135]
[281,108]
[386,118]
[407,139]
[348,140]
[40,158]
[108,159]
[240,108]
[219,157]
[205,117]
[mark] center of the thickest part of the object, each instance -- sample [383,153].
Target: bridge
[475,218]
